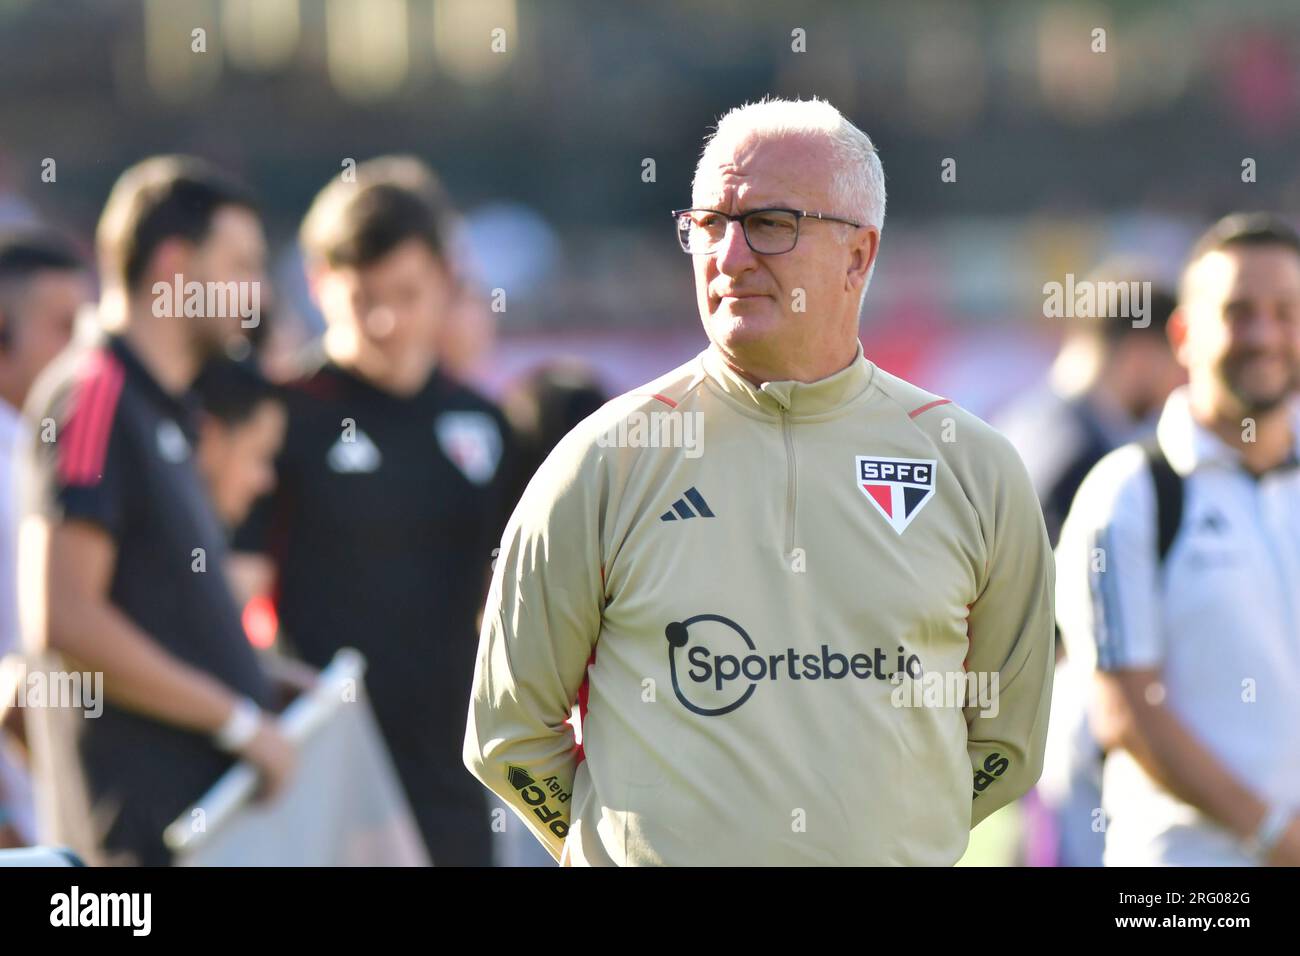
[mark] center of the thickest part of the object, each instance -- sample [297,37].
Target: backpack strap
[1169,496]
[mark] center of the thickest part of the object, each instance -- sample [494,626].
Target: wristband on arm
[240,727]
[1269,832]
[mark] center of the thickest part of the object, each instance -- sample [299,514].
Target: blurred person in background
[123,551]
[241,431]
[543,407]
[242,421]
[467,339]
[43,284]
[1179,576]
[391,487]
[1110,379]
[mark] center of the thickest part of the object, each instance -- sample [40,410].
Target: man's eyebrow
[755,207]
[1243,301]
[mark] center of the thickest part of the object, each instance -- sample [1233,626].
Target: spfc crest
[898,487]
[472,441]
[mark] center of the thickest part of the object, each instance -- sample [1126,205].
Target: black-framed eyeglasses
[769,232]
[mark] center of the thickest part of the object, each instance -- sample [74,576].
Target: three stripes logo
[682,507]
[898,487]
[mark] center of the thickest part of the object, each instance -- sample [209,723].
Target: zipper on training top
[791,485]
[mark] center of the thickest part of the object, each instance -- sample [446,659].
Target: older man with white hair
[804,607]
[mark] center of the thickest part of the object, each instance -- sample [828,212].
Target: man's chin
[206,344]
[1257,400]
[744,319]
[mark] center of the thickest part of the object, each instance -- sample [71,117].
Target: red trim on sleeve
[583,692]
[663,398]
[965,664]
[929,405]
[84,446]
[75,431]
[585,689]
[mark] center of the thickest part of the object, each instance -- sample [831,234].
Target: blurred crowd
[180,472]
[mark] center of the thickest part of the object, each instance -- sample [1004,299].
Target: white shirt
[1220,620]
[15,784]
[12,430]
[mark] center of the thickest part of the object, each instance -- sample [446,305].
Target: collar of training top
[182,408]
[427,394]
[798,399]
[1189,445]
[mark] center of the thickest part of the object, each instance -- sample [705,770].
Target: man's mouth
[1247,376]
[1254,362]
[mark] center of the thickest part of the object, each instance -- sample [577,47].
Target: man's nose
[379,322]
[733,254]
[1263,329]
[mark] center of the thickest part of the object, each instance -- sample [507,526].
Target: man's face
[769,305]
[238,461]
[1243,324]
[44,314]
[233,251]
[1153,371]
[389,314]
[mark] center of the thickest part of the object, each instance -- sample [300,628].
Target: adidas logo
[682,507]
[357,456]
[171,442]
[1214,522]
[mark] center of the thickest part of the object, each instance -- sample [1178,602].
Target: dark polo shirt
[382,528]
[123,459]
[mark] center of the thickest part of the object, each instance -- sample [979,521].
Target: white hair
[858,186]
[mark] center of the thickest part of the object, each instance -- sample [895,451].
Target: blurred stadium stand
[1063,154]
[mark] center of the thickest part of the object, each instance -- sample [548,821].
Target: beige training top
[734,612]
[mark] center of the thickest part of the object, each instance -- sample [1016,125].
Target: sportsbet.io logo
[536,796]
[724,667]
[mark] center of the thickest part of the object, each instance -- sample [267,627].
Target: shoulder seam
[882,386]
[696,380]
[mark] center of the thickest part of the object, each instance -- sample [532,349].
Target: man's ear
[1176,331]
[316,272]
[169,259]
[212,431]
[863,251]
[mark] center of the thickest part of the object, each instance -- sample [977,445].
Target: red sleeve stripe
[655,395]
[580,752]
[84,444]
[965,664]
[75,431]
[929,405]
